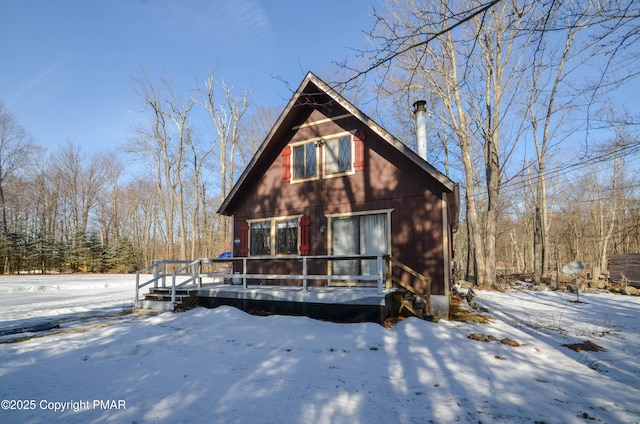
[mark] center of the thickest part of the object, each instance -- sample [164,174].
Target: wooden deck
[180,285]
[338,304]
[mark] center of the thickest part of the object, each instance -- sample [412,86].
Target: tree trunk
[472,217]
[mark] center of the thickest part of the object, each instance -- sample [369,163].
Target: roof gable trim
[321,121]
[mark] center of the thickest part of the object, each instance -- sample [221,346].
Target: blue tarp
[224,255]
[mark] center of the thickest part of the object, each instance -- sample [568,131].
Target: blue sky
[67,65]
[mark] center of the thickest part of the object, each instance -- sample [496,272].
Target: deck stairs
[407,302]
[159,300]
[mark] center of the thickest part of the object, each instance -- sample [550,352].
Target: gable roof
[313,86]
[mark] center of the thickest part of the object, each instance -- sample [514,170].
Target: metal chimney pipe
[420,110]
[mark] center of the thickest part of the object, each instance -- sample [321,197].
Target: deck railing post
[173,288]
[388,272]
[380,263]
[137,286]
[304,273]
[196,273]
[244,272]
[156,274]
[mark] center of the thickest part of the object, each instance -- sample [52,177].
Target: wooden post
[380,265]
[156,274]
[389,271]
[196,273]
[137,287]
[244,272]
[304,273]
[173,288]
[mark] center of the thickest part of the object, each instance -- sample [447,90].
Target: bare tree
[461,57]
[108,214]
[165,148]
[16,149]
[180,118]
[151,142]
[79,182]
[254,131]
[549,70]
[45,208]
[226,118]
[142,218]
[609,196]
[471,76]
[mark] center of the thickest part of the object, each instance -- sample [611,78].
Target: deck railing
[159,270]
[190,273]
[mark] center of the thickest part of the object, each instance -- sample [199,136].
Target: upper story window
[305,160]
[319,158]
[337,155]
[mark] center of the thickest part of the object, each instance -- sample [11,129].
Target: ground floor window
[260,238]
[287,236]
[274,236]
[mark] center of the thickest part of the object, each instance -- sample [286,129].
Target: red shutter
[244,239]
[358,141]
[305,245]
[286,164]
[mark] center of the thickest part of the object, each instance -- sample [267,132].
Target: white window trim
[320,155]
[322,121]
[273,233]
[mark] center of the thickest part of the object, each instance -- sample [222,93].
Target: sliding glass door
[358,234]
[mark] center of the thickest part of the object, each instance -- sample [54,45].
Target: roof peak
[325,89]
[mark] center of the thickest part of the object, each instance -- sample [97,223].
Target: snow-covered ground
[224,366]
[28,299]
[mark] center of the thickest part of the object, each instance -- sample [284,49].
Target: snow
[224,366]
[27,299]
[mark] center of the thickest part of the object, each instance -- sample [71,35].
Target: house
[328,180]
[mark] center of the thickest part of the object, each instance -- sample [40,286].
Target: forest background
[524,112]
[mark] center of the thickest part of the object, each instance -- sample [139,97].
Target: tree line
[68,211]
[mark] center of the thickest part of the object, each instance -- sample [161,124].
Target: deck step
[167,290]
[159,300]
[155,305]
[165,297]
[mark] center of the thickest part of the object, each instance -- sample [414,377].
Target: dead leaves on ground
[587,346]
[462,314]
[481,337]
